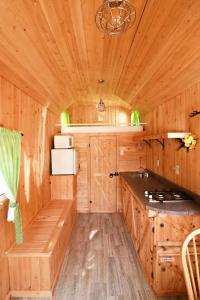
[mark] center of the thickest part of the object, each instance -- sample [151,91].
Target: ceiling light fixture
[101,81]
[115,16]
[101,106]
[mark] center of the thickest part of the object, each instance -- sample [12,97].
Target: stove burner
[162,196]
[177,195]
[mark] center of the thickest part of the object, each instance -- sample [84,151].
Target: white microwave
[63,141]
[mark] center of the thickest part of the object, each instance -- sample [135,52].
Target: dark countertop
[140,185]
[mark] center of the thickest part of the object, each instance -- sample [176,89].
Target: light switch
[177,169]
[121,151]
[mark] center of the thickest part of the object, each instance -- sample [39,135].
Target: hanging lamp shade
[101,106]
[115,16]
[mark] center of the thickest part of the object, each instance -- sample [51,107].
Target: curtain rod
[1,126]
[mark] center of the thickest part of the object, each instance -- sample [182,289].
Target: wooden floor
[101,263]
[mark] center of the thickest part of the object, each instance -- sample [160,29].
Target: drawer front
[167,272]
[172,230]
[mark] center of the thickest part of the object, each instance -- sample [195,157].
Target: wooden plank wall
[21,112]
[173,115]
[130,153]
[86,113]
[83,184]
[156,58]
[7,237]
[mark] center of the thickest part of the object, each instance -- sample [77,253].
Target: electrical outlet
[121,151]
[158,162]
[177,170]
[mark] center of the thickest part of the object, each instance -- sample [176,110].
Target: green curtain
[65,119]
[10,151]
[135,118]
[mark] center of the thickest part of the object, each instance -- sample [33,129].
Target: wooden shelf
[165,135]
[96,129]
[155,137]
[160,138]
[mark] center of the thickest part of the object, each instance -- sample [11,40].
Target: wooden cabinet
[63,187]
[157,239]
[168,274]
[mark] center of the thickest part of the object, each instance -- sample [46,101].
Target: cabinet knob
[162,225]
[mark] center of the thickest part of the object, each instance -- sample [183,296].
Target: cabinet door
[195,222]
[168,274]
[129,212]
[124,199]
[140,216]
[172,230]
[134,233]
[145,251]
[126,206]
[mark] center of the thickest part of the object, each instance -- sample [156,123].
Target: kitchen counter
[139,185]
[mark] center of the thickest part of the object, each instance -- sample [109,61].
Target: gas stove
[164,196]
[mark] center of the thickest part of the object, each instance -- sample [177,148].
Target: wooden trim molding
[8,296]
[97,129]
[41,294]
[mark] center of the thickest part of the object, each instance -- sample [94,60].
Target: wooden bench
[34,265]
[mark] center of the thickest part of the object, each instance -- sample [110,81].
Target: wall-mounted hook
[194,113]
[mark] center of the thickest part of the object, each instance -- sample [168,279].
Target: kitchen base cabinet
[157,239]
[168,273]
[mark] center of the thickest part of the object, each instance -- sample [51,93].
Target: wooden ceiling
[53,50]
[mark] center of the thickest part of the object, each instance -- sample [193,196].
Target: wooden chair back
[190,261]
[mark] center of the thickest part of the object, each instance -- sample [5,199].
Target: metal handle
[113,174]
